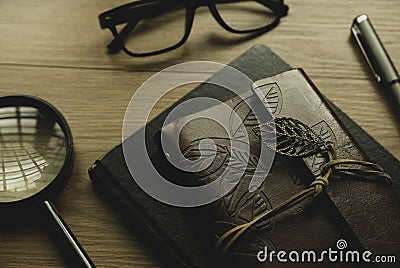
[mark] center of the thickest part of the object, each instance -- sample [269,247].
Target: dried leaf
[293,138]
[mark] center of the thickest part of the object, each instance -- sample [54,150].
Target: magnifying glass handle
[73,243]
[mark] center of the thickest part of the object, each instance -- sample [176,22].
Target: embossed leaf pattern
[293,138]
[200,160]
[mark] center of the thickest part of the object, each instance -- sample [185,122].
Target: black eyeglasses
[151,27]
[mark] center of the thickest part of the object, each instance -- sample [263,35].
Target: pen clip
[358,37]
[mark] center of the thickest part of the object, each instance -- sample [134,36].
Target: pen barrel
[394,94]
[374,51]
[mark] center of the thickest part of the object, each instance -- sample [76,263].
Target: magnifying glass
[36,159]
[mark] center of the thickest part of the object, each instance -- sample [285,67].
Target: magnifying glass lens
[32,151]
[36,159]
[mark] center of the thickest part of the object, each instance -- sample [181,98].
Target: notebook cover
[174,229]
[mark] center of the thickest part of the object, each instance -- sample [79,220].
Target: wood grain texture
[56,50]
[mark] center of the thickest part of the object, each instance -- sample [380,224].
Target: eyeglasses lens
[162,30]
[245,15]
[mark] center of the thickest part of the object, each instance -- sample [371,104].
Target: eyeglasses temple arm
[118,42]
[275,5]
[135,11]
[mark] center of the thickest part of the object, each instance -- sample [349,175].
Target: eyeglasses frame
[133,12]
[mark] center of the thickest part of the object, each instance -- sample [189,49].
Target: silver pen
[377,58]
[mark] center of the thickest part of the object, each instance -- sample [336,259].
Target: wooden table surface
[56,50]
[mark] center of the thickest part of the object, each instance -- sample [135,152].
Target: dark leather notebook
[178,232]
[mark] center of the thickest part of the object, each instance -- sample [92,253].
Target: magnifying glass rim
[55,186]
